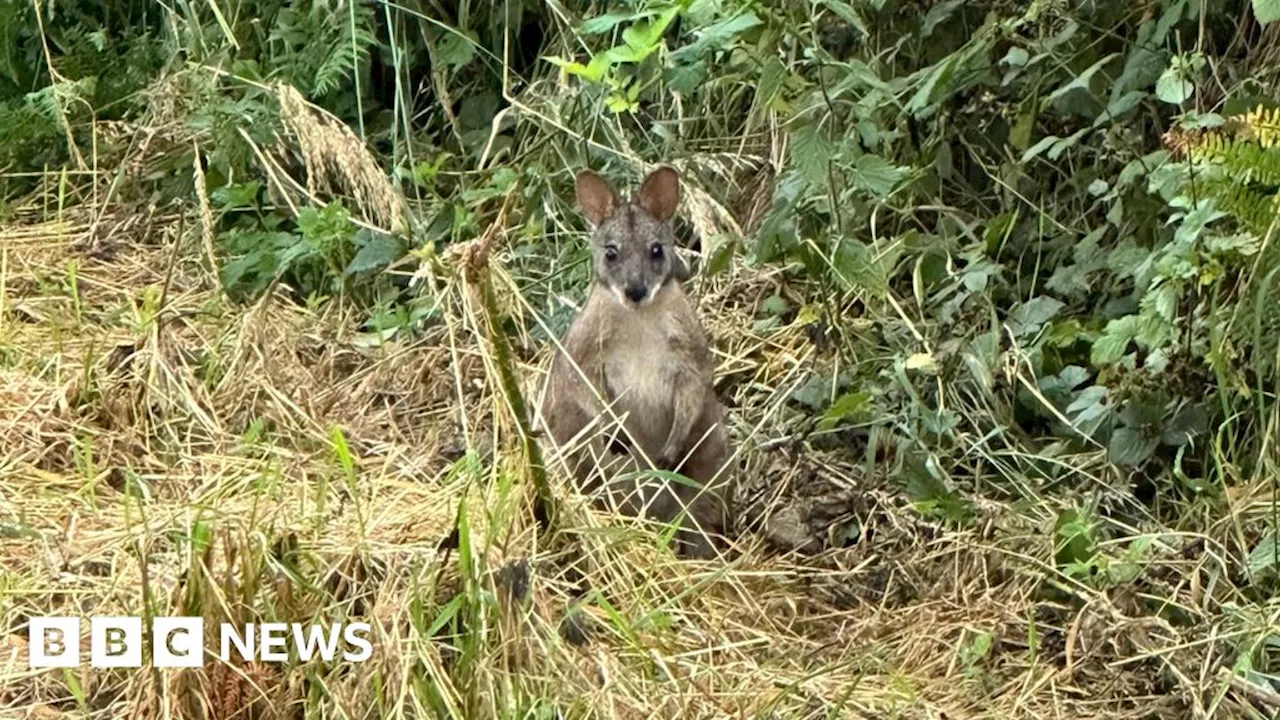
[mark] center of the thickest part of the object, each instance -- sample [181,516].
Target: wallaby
[639,348]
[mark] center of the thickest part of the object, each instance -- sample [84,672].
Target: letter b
[115,642]
[54,642]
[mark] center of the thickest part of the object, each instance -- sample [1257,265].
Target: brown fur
[649,360]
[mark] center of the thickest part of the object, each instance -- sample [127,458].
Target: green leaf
[1266,11]
[1113,343]
[685,79]
[1195,221]
[810,153]
[1017,57]
[1264,556]
[1172,88]
[1073,537]
[18,530]
[1185,426]
[643,36]
[721,256]
[237,196]
[1044,144]
[593,71]
[938,14]
[1031,315]
[1119,106]
[815,393]
[876,175]
[1175,85]
[608,21]
[717,36]
[855,268]
[855,405]
[1129,447]
[847,13]
[1081,81]
[380,250]
[775,305]
[455,50]
[1163,300]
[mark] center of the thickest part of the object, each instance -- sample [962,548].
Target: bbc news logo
[178,642]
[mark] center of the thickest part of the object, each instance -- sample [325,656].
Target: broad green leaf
[1188,423]
[1119,106]
[1265,556]
[938,14]
[774,305]
[810,153]
[1175,85]
[815,393]
[876,175]
[643,36]
[593,71]
[1141,68]
[686,78]
[381,250]
[1073,539]
[855,268]
[1070,280]
[1065,144]
[1081,81]
[237,196]
[1113,343]
[854,405]
[1129,447]
[1266,11]
[936,75]
[721,256]
[717,36]
[608,21]
[1173,88]
[1031,315]
[1072,376]
[1044,144]
[1197,220]
[771,76]
[1091,396]
[455,50]
[847,13]
[1017,57]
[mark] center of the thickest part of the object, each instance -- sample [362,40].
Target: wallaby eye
[655,251]
[611,254]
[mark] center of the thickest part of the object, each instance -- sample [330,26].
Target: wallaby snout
[636,292]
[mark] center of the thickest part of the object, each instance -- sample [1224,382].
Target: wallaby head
[633,246]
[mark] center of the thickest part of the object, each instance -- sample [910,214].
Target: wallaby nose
[636,292]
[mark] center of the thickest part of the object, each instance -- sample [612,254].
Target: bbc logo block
[179,642]
[116,642]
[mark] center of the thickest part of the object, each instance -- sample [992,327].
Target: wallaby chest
[640,359]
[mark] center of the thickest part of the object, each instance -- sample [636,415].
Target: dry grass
[167,451]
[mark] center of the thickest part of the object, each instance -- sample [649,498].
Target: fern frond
[1253,208]
[1245,160]
[1262,125]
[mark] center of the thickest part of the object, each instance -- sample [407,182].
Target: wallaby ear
[660,193]
[596,199]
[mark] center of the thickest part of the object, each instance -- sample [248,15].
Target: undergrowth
[991,286]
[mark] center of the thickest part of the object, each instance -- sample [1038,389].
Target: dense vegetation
[1015,263]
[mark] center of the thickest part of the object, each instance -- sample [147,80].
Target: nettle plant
[1200,299]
